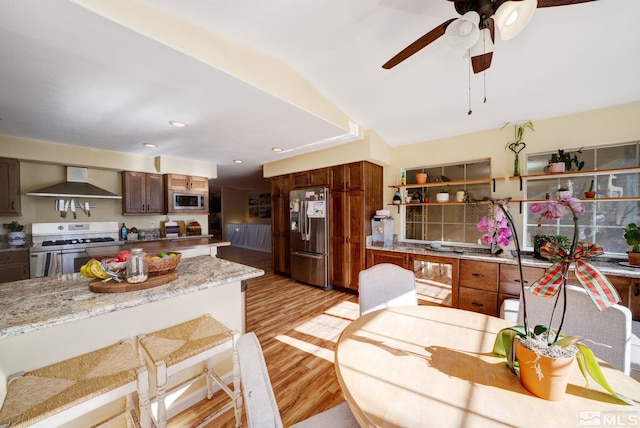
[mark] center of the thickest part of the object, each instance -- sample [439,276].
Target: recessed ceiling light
[237,161]
[151,145]
[177,124]
[277,149]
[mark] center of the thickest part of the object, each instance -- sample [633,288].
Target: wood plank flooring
[298,326]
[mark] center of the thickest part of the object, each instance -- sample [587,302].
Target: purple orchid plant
[598,287]
[496,227]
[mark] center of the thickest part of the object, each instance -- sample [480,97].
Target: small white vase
[17,238]
[442,197]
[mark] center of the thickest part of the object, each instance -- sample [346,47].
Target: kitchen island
[45,320]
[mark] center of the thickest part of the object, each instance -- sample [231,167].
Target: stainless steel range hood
[76,186]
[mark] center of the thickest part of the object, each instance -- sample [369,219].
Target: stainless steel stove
[61,248]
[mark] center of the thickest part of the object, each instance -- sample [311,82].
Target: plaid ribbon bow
[598,287]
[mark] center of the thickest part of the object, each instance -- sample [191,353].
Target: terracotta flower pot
[421,178]
[552,385]
[634,258]
[589,195]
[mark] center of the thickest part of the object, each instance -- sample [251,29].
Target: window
[449,222]
[603,220]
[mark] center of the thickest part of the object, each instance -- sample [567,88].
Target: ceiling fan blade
[418,44]
[550,3]
[481,62]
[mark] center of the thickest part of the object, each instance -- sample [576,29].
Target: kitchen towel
[47,264]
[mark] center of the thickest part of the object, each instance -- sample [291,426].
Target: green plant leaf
[588,362]
[567,341]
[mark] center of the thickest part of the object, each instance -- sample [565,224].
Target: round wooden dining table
[432,366]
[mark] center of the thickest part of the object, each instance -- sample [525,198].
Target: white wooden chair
[608,332]
[260,401]
[61,393]
[385,285]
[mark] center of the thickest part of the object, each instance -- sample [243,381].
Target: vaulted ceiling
[249,75]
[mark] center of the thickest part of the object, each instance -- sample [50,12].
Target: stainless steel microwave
[188,201]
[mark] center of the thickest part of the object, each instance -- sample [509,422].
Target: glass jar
[137,266]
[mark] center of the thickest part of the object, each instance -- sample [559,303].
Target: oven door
[72,260]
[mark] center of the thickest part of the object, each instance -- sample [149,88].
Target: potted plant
[632,235]
[542,238]
[590,194]
[562,161]
[545,343]
[16,236]
[517,145]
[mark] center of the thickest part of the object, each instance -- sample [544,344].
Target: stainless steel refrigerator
[310,236]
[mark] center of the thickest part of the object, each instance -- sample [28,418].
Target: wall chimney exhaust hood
[76,186]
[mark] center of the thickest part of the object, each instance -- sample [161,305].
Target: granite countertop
[165,244]
[608,266]
[34,304]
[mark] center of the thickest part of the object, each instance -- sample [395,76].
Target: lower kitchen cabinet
[478,286]
[14,265]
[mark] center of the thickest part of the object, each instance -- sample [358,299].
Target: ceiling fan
[475,29]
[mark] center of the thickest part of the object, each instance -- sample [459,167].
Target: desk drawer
[479,275]
[510,278]
[478,301]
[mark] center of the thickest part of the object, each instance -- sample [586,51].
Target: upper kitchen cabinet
[313,178]
[187,183]
[142,193]
[9,186]
[187,194]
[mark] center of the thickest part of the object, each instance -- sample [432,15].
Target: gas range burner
[77,241]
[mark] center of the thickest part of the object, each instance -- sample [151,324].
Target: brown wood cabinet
[187,183]
[9,186]
[14,265]
[375,257]
[180,183]
[478,286]
[280,228]
[314,178]
[143,193]
[355,194]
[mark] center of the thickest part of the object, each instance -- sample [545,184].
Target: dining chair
[607,332]
[385,285]
[260,401]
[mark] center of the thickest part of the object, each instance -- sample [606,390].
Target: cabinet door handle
[477,275]
[477,304]
[517,280]
[637,292]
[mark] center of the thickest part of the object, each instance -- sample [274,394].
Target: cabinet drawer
[14,256]
[478,301]
[510,278]
[479,275]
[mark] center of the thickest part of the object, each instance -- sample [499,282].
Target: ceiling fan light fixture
[463,32]
[512,16]
[483,46]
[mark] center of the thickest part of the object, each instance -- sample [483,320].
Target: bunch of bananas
[93,269]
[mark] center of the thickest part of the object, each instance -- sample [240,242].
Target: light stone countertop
[34,304]
[606,265]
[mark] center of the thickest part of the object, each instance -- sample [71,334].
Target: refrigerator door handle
[305,222]
[308,255]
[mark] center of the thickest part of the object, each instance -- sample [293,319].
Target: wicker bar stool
[174,349]
[61,392]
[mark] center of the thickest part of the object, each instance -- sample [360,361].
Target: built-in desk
[480,281]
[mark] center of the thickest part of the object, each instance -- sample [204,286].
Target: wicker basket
[159,267]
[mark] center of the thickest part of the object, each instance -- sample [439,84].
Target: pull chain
[469,71]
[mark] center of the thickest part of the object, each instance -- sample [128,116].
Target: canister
[137,266]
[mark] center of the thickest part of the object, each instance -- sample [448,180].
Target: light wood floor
[298,326]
